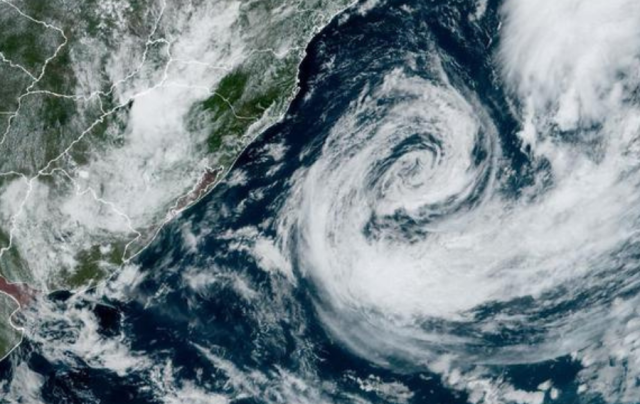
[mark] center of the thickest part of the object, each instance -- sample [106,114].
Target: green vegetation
[60,77]
[91,264]
[4,239]
[11,261]
[25,42]
[47,125]
[9,336]
[4,123]
[238,102]
[14,83]
[57,111]
[56,115]
[246,113]
[229,91]
[23,47]
[42,9]
[80,152]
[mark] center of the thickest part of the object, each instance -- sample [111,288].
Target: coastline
[210,178]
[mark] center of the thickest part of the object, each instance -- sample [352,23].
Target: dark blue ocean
[209,324]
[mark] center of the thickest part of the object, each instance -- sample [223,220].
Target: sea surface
[323,270]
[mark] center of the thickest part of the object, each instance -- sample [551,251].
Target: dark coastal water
[208,320]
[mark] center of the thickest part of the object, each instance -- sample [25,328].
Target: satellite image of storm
[319,201]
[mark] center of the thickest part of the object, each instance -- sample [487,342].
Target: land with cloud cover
[448,214]
[115,116]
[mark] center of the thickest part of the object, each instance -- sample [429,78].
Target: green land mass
[77,88]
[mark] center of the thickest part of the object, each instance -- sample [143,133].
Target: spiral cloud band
[409,229]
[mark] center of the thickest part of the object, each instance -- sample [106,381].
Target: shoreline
[209,180]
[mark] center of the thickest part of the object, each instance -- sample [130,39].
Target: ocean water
[386,242]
